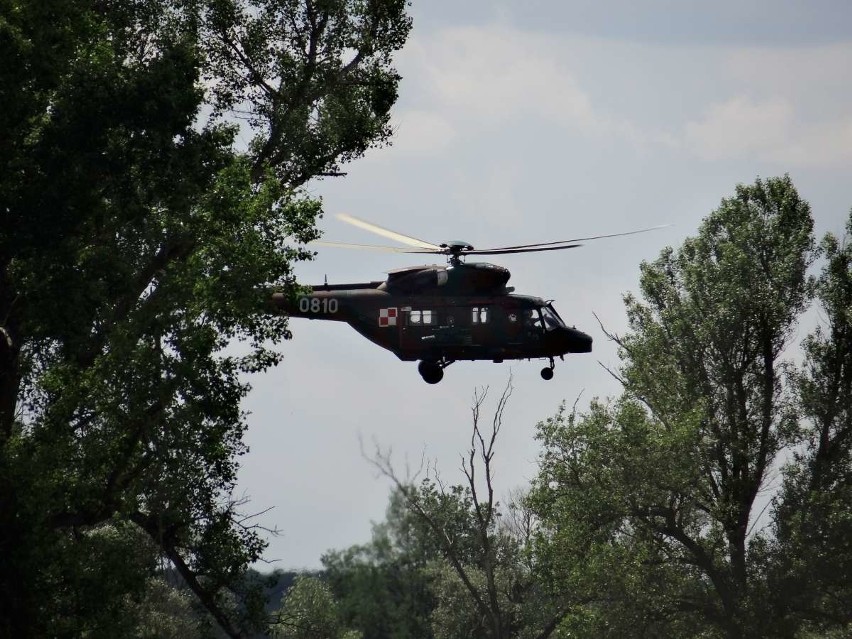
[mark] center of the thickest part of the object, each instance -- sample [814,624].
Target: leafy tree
[309,611]
[654,502]
[153,157]
[602,472]
[165,612]
[382,587]
[814,517]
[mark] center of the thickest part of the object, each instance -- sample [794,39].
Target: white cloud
[739,126]
[782,105]
[769,130]
[492,74]
[814,77]
[791,107]
[821,144]
[497,73]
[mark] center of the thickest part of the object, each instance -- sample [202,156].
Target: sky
[523,122]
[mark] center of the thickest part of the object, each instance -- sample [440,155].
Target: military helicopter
[441,314]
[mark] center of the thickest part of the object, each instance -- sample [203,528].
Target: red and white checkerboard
[387,316]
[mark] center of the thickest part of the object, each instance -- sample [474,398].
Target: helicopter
[441,314]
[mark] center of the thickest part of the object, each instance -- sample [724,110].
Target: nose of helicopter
[570,340]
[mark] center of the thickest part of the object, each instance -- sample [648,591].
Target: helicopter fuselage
[443,314]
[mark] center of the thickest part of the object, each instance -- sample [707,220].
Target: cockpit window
[551,319]
[532,318]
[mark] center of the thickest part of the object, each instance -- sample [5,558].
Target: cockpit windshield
[551,318]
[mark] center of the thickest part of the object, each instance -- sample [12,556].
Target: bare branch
[611,336]
[614,375]
[481,452]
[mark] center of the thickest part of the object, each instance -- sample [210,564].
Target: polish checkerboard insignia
[387,316]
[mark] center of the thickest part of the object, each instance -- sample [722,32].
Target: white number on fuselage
[317,305]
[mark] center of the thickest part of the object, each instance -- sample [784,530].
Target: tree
[480,574]
[165,612]
[383,587]
[310,611]
[603,475]
[657,497]
[140,235]
[813,520]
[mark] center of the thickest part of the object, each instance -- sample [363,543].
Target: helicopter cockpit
[551,317]
[544,318]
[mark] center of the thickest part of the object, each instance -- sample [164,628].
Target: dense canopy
[153,157]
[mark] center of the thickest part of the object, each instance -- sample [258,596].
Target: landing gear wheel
[431,372]
[547,373]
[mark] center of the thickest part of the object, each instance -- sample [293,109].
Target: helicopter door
[497,325]
[483,329]
[417,323]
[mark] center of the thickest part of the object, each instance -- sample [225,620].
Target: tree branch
[165,538]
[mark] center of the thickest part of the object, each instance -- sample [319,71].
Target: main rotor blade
[520,249]
[391,235]
[503,251]
[368,247]
[581,239]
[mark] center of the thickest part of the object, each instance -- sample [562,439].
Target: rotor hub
[455,249]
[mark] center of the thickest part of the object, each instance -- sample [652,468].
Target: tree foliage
[383,587]
[310,611]
[653,506]
[153,159]
[813,521]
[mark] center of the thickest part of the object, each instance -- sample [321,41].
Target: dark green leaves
[151,160]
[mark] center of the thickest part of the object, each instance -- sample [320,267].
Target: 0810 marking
[316,305]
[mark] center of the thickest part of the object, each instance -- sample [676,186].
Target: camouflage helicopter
[441,314]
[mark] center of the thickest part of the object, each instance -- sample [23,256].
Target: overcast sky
[528,121]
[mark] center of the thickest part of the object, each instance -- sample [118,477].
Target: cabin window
[420,317]
[479,315]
